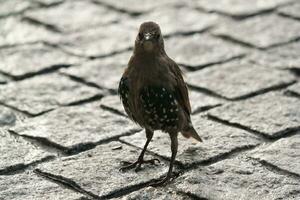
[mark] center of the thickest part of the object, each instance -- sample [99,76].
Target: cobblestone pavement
[63,131]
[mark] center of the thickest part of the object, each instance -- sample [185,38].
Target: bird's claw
[137,165]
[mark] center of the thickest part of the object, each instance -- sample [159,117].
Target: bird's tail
[191,132]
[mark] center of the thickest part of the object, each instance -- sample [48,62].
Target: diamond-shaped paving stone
[15,31]
[100,41]
[16,151]
[32,58]
[70,126]
[291,10]
[261,31]
[200,102]
[30,186]
[185,20]
[295,89]
[76,15]
[113,102]
[283,57]
[272,114]
[240,8]
[97,170]
[150,193]
[284,154]
[238,178]
[105,72]
[239,79]
[14,7]
[218,140]
[43,93]
[200,50]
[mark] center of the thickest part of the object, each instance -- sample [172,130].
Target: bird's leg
[137,164]
[174,147]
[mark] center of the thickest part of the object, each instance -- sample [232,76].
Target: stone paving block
[240,8]
[15,31]
[104,72]
[17,151]
[32,58]
[8,117]
[74,125]
[97,170]
[283,153]
[261,31]
[113,102]
[200,101]
[100,41]
[282,57]
[76,15]
[291,10]
[49,2]
[150,193]
[200,50]
[218,140]
[185,20]
[272,114]
[238,178]
[30,186]
[295,89]
[238,79]
[43,93]
[3,79]
[14,6]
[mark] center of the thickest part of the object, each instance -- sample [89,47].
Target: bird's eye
[140,36]
[157,36]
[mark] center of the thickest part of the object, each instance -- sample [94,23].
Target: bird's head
[149,38]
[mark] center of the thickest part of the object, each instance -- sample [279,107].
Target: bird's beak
[148,36]
[148,42]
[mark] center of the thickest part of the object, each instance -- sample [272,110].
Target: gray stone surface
[200,49]
[15,31]
[100,41]
[238,178]
[282,57]
[30,186]
[97,170]
[295,89]
[291,10]
[240,8]
[238,79]
[113,102]
[8,117]
[32,58]
[86,13]
[185,22]
[272,114]
[104,72]
[218,139]
[42,93]
[3,79]
[73,125]
[14,6]
[283,153]
[261,31]
[17,152]
[200,101]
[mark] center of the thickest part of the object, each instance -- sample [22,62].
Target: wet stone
[43,93]
[73,126]
[99,41]
[218,140]
[185,20]
[272,114]
[33,58]
[283,153]
[238,178]
[283,57]
[240,8]
[29,186]
[97,170]
[291,10]
[17,151]
[77,15]
[15,31]
[104,72]
[200,50]
[261,31]
[238,79]
[294,89]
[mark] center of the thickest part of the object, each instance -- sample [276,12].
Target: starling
[154,94]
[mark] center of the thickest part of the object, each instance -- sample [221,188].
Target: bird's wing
[181,91]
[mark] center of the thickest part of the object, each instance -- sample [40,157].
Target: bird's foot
[137,165]
[164,180]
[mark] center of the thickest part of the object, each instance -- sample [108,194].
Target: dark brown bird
[154,94]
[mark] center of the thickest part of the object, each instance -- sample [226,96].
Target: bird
[155,96]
